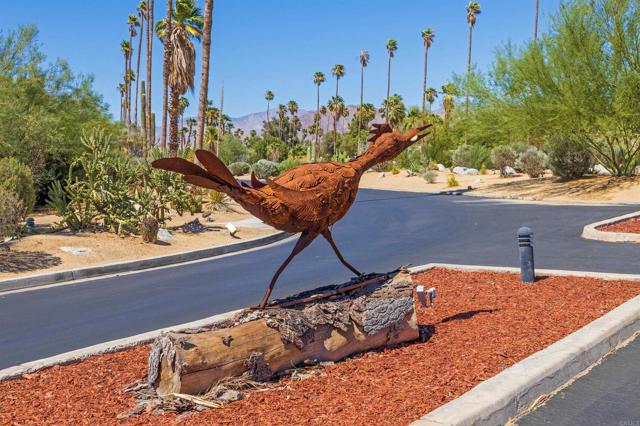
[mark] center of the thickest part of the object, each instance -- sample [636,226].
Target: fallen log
[265,342]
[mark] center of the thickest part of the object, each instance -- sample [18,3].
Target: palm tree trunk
[386,114]
[424,80]
[268,120]
[335,132]
[337,80]
[165,76]
[204,80]
[150,132]
[469,64]
[135,116]
[315,145]
[126,85]
[535,28]
[361,102]
[173,126]
[130,82]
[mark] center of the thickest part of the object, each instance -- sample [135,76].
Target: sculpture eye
[415,138]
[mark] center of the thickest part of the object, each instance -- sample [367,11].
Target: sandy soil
[42,253]
[482,323]
[594,188]
[631,226]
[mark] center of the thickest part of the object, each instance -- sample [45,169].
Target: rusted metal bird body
[307,199]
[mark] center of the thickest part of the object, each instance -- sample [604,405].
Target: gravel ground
[631,226]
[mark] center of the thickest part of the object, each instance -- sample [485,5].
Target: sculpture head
[385,145]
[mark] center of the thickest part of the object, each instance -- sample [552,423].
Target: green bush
[430,176]
[568,157]
[502,157]
[16,177]
[533,162]
[10,213]
[265,168]
[240,168]
[452,181]
[232,150]
[474,156]
[287,164]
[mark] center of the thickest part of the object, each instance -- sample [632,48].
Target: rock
[381,175]
[230,396]
[459,170]
[165,235]
[193,227]
[442,168]
[479,180]
[472,172]
[599,169]
[76,251]
[636,171]
[231,228]
[509,171]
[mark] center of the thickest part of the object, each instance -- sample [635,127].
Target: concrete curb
[517,388]
[590,232]
[104,348]
[136,265]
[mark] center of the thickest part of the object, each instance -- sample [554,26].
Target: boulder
[599,169]
[509,171]
[472,172]
[442,168]
[459,170]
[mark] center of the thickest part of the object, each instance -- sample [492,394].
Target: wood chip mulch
[482,323]
[631,226]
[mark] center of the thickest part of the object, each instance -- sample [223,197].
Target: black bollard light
[525,244]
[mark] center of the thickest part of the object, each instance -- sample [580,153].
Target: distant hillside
[254,121]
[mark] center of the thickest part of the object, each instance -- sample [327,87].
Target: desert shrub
[568,158]
[430,176]
[532,162]
[474,156]
[265,168]
[502,157]
[382,167]
[519,147]
[432,166]
[149,229]
[395,170]
[452,181]
[216,201]
[10,213]
[239,168]
[232,150]
[483,170]
[16,177]
[287,164]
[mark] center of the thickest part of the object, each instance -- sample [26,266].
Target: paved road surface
[608,396]
[382,231]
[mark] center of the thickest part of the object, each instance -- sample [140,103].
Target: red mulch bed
[631,226]
[482,323]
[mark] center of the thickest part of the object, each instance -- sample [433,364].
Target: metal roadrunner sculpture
[308,199]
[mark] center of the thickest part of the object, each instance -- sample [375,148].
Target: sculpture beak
[418,133]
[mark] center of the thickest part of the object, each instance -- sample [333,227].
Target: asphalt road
[608,396]
[382,231]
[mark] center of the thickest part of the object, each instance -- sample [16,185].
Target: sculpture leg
[327,235]
[305,239]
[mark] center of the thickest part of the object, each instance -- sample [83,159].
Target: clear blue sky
[279,44]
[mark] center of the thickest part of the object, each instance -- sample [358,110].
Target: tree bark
[424,80]
[173,125]
[265,342]
[535,28]
[204,80]
[165,75]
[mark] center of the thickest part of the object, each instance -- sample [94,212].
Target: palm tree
[323,113]
[293,110]
[125,47]
[204,79]
[392,47]
[318,79]
[186,24]
[191,122]
[449,90]
[133,23]
[183,105]
[166,69]
[282,113]
[393,110]
[473,9]
[535,28]
[336,106]
[338,71]
[364,61]
[431,95]
[142,14]
[122,88]
[149,121]
[427,38]
[268,96]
